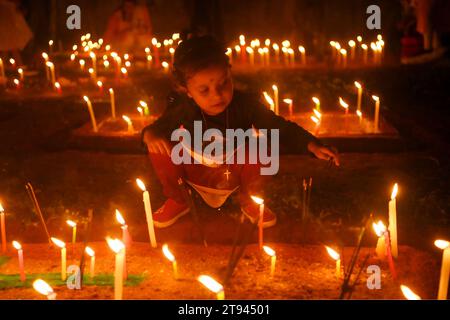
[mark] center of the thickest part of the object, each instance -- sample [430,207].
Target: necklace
[227,173]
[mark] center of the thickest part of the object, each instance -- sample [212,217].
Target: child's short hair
[195,54]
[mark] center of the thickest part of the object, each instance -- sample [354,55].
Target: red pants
[246,176]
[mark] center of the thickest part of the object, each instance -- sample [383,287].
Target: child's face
[211,89]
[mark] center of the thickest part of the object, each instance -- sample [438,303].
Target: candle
[129,123]
[43,288]
[171,258]
[50,46]
[316,102]
[149,61]
[374,48]
[445,268]
[51,66]
[17,83]
[360,115]
[91,113]
[290,104]
[291,53]
[91,253]
[2,69]
[94,63]
[260,202]
[317,119]
[285,55]
[165,66]
[3,227]
[82,63]
[303,54]
[126,238]
[269,101]
[12,62]
[18,247]
[251,55]
[144,105]
[213,286]
[271,253]
[113,103]
[365,50]
[352,45]
[148,212]
[377,113]
[276,48]
[172,53]
[73,225]
[21,76]
[359,87]
[409,294]
[380,230]
[61,245]
[58,87]
[343,105]
[267,55]
[261,56]
[119,249]
[141,111]
[100,86]
[92,74]
[335,256]
[359,39]
[276,98]
[393,221]
[344,57]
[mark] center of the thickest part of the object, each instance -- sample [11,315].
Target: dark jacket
[244,112]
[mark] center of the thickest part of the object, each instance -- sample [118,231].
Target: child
[205,93]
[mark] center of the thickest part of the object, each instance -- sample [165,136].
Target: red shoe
[251,211]
[169,213]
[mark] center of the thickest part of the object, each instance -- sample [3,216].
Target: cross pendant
[227,173]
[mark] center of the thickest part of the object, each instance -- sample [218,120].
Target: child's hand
[157,145]
[324,152]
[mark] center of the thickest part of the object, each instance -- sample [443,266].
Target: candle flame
[409,294]
[42,287]
[12,61]
[143,104]
[267,42]
[91,70]
[352,43]
[115,244]
[107,47]
[92,55]
[127,64]
[343,51]
[269,251]
[286,43]
[16,82]
[99,84]
[127,119]
[85,98]
[72,57]
[337,46]
[333,254]
[58,243]
[315,120]
[123,70]
[167,253]
[333,43]
[17,245]
[1,208]
[140,184]
[45,55]
[379,228]
[373,46]
[274,87]
[364,46]
[343,103]
[301,49]
[210,283]
[442,244]
[71,223]
[316,100]
[249,50]
[20,70]
[90,252]
[257,200]
[268,98]
[359,113]
[237,48]
[49,64]
[394,191]
[359,38]
[276,47]
[106,63]
[165,64]
[140,110]
[111,90]
[358,85]
[288,101]
[82,62]
[120,218]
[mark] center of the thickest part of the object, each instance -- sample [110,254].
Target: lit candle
[61,245]
[213,286]
[343,105]
[129,123]
[58,87]
[344,57]
[73,225]
[50,46]
[360,116]
[374,48]
[276,99]
[171,258]
[317,119]
[141,111]
[271,253]
[276,48]
[100,85]
[267,55]
[352,45]
[113,103]
[335,256]
[303,54]
[82,64]
[172,53]
[380,230]
[409,294]
[3,227]
[18,247]
[126,238]
[291,53]
[269,101]
[393,221]
[91,113]
[94,62]
[251,55]
[144,105]
[445,268]
[21,76]
[365,51]
[359,87]
[377,114]
[17,83]
[43,288]
[51,66]
[260,202]
[91,253]
[290,105]
[2,69]
[165,66]
[316,102]
[12,62]
[119,249]
[92,74]
[148,212]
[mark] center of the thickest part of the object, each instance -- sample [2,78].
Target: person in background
[129,27]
